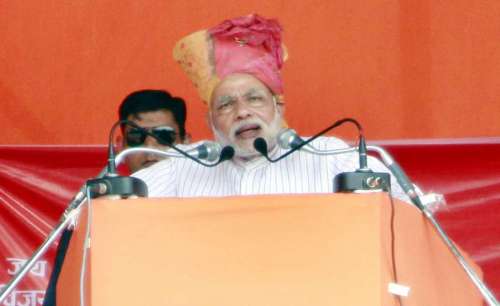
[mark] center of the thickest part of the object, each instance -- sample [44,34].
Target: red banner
[37,182]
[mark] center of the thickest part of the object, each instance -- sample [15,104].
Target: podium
[327,249]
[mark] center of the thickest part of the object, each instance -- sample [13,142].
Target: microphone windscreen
[288,139]
[260,145]
[212,151]
[226,154]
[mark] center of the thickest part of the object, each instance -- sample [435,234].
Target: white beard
[247,151]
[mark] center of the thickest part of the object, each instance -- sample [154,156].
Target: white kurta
[300,172]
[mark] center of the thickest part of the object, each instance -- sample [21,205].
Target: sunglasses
[164,135]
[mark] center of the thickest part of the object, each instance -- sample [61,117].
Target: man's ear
[208,119]
[281,108]
[280,104]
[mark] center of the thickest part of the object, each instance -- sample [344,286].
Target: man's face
[243,109]
[151,119]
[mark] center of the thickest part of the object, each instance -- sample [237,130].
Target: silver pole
[67,216]
[488,296]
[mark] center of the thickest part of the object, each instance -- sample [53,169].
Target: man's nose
[151,142]
[242,109]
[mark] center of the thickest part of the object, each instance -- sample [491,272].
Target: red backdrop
[36,183]
[405,69]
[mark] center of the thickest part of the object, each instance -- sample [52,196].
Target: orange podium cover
[331,249]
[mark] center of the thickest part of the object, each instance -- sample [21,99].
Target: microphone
[111,183]
[363,179]
[212,151]
[261,145]
[226,154]
[288,139]
[208,150]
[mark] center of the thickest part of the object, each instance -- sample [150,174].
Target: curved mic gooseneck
[260,144]
[200,152]
[363,179]
[209,150]
[113,184]
[288,138]
[225,154]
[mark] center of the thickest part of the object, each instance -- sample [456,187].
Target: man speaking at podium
[236,68]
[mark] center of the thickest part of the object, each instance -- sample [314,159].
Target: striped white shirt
[300,172]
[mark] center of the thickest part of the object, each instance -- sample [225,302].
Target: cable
[226,153]
[393,243]
[306,142]
[111,144]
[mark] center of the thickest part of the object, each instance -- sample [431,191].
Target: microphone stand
[488,296]
[78,200]
[73,209]
[69,215]
[423,202]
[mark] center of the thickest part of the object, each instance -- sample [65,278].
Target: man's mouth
[248,131]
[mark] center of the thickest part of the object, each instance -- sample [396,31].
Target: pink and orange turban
[249,44]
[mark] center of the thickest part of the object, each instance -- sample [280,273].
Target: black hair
[150,100]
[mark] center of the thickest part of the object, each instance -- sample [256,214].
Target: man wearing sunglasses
[160,114]
[157,112]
